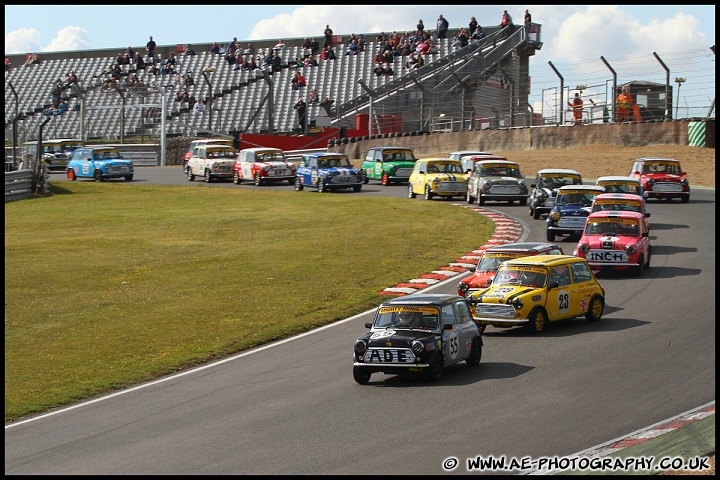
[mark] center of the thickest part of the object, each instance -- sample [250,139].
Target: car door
[467,327]
[562,301]
[247,165]
[451,339]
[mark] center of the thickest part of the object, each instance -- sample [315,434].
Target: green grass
[110,284]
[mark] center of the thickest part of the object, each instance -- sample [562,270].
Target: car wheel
[208,178]
[411,193]
[357,188]
[481,200]
[236,178]
[321,185]
[366,180]
[685,199]
[535,213]
[523,202]
[475,353]
[595,309]
[384,179]
[258,180]
[469,198]
[71,175]
[190,175]
[361,375]
[128,178]
[434,370]
[428,193]
[298,184]
[291,181]
[551,235]
[97,175]
[538,319]
[638,271]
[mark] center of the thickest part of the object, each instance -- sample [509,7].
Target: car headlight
[471,301]
[463,288]
[417,347]
[393,169]
[684,182]
[360,347]
[630,249]
[517,303]
[266,168]
[583,248]
[486,186]
[523,187]
[650,183]
[555,216]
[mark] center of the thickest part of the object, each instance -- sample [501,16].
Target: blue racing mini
[99,163]
[328,171]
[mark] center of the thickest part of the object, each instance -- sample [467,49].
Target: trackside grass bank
[110,284]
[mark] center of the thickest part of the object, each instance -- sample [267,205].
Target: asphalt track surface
[639,383]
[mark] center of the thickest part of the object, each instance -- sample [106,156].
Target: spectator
[420,26]
[276,62]
[215,49]
[189,50]
[442,27]
[472,26]
[361,43]
[478,33]
[314,46]
[72,78]
[328,54]
[232,46]
[462,38]
[61,108]
[153,69]
[388,70]
[411,61]
[250,64]
[506,23]
[199,107]
[139,62]
[328,37]
[239,61]
[8,65]
[130,52]
[313,96]
[420,61]
[120,59]
[326,105]
[299,63]
[31,59]
[229,57]
[150,48]
[189,80]
[311,62]
[182,95]
[527,20]
[388,57]
[300,106]
[279,47]
[307,48]
[352,48]
[624,104]
[250,52]
[298,81]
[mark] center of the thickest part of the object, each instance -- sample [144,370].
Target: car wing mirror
[647,214]
[472,269]
[553,284]
[645,234]
[368,325]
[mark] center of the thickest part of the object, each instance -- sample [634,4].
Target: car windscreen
[612,227]
[521,275]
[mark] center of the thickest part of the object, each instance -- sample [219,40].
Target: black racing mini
[418,333]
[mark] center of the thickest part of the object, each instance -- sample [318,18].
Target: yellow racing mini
[533,291]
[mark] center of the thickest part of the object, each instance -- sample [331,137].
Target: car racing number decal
[563,301]
[452,344]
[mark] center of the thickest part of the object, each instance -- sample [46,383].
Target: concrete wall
[673,132]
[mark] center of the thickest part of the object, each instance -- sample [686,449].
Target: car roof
[325,154]
[523,247]
[497,161]
[617,214]
[390,148]
[544,260]
[422,299]
[439,159]
[588,188]
[618,196]
[565,171]
[261,149]
[617,178]
[470,152]
[656,159]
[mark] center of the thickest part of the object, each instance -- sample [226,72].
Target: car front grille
[494,310]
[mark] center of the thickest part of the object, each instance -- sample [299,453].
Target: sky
[571,34]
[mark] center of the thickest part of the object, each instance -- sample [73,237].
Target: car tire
[71,175]
[411,193]
[428,193]
[258,180]
[640,268]
[97,176]
[523,202]
[385,180]
[535,213]
[208,177]
[685,199]
[469,198]
[366,180]
[434,370]
[321,186]
[595,308]
[475,353]
[298,184]
[190,175]
[481,200]
[128,178]
[357,188]
[236,178]
[550,235]
[538,320]
[361,375]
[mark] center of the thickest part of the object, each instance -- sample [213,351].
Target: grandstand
[482,84]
